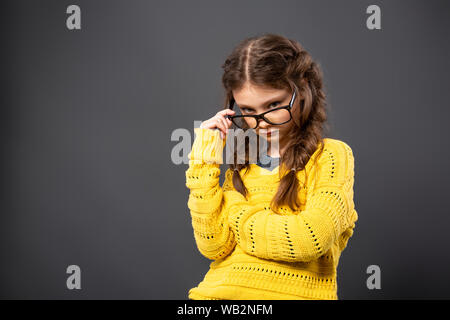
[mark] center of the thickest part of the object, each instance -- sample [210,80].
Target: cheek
[283,128]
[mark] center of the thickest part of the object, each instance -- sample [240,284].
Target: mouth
[267,134]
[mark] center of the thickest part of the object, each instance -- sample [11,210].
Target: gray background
[87,116]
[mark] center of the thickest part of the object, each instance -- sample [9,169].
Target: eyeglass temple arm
[293,97]
[230,106]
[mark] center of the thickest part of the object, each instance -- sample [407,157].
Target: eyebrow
[272,100]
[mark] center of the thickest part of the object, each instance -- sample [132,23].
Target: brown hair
[271,60]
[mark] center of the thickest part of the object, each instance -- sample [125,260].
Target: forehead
[256,96]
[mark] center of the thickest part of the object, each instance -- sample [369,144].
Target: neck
[276,153]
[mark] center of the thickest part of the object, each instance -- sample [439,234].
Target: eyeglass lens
[274,117]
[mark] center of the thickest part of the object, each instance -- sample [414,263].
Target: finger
[226,111]
[228,121]
[208,124]
[224,122]
[221,127]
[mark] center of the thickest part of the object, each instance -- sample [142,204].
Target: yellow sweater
[261,255]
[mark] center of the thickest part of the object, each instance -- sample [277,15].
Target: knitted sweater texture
[261,255]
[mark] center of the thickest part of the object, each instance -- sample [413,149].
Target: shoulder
[335,162]
[338,147]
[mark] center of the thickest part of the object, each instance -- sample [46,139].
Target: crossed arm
[305,236]
[223,218]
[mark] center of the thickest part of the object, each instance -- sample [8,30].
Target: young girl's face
[254,100]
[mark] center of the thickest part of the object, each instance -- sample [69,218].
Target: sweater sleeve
[212,234]
[328,216]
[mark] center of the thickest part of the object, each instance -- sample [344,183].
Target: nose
[262,124]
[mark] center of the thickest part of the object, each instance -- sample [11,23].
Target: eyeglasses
[276,116]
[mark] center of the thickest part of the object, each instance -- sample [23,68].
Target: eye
[274,104]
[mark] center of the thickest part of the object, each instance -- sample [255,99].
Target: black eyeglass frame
[261,115]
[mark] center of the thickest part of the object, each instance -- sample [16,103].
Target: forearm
[206,202]
[304,236]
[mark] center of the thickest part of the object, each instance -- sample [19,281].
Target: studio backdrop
[93,177]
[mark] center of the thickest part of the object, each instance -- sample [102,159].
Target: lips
[268,132]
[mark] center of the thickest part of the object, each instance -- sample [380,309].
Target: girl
[272,234]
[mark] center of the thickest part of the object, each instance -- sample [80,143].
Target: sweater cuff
[207,147]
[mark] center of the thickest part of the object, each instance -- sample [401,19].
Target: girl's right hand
[219,121]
